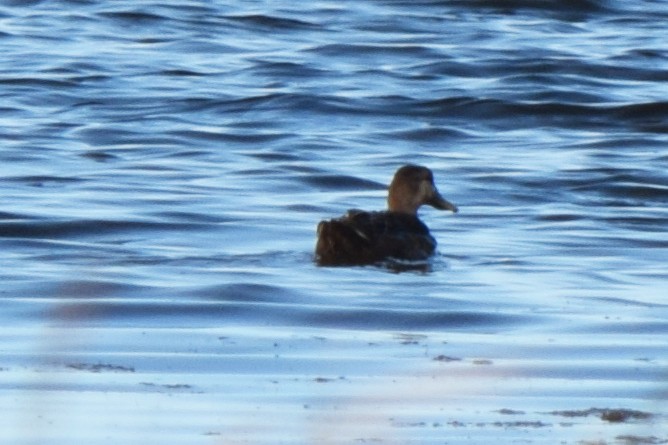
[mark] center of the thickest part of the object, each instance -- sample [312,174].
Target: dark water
[164,165]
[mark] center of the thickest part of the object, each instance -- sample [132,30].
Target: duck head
[413,186]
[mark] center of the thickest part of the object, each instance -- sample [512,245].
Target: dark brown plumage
[361,237]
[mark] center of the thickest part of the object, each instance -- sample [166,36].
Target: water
[163,168]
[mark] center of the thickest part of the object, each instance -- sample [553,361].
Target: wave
[71,229]
[270,22]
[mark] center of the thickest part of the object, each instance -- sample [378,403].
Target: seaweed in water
[607,414]
[99,367]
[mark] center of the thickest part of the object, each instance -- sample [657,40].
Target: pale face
[412,187]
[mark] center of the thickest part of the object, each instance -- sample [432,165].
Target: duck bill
[439,202]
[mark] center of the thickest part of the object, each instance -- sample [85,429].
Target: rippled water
[164,167]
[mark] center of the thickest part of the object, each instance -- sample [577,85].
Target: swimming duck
[361,237]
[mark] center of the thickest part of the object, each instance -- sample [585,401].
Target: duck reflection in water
[360,237]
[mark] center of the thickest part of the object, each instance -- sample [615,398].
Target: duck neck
[394,204]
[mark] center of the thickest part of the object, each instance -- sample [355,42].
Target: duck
[365,238]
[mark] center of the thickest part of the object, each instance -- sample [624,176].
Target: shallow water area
[164,167]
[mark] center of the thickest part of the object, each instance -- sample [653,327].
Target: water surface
[163,168]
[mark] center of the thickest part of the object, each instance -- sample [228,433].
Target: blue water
[163,167]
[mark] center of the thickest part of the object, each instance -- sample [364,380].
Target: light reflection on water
[163,172]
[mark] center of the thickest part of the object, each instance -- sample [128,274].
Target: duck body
[361,237]
[371,237]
